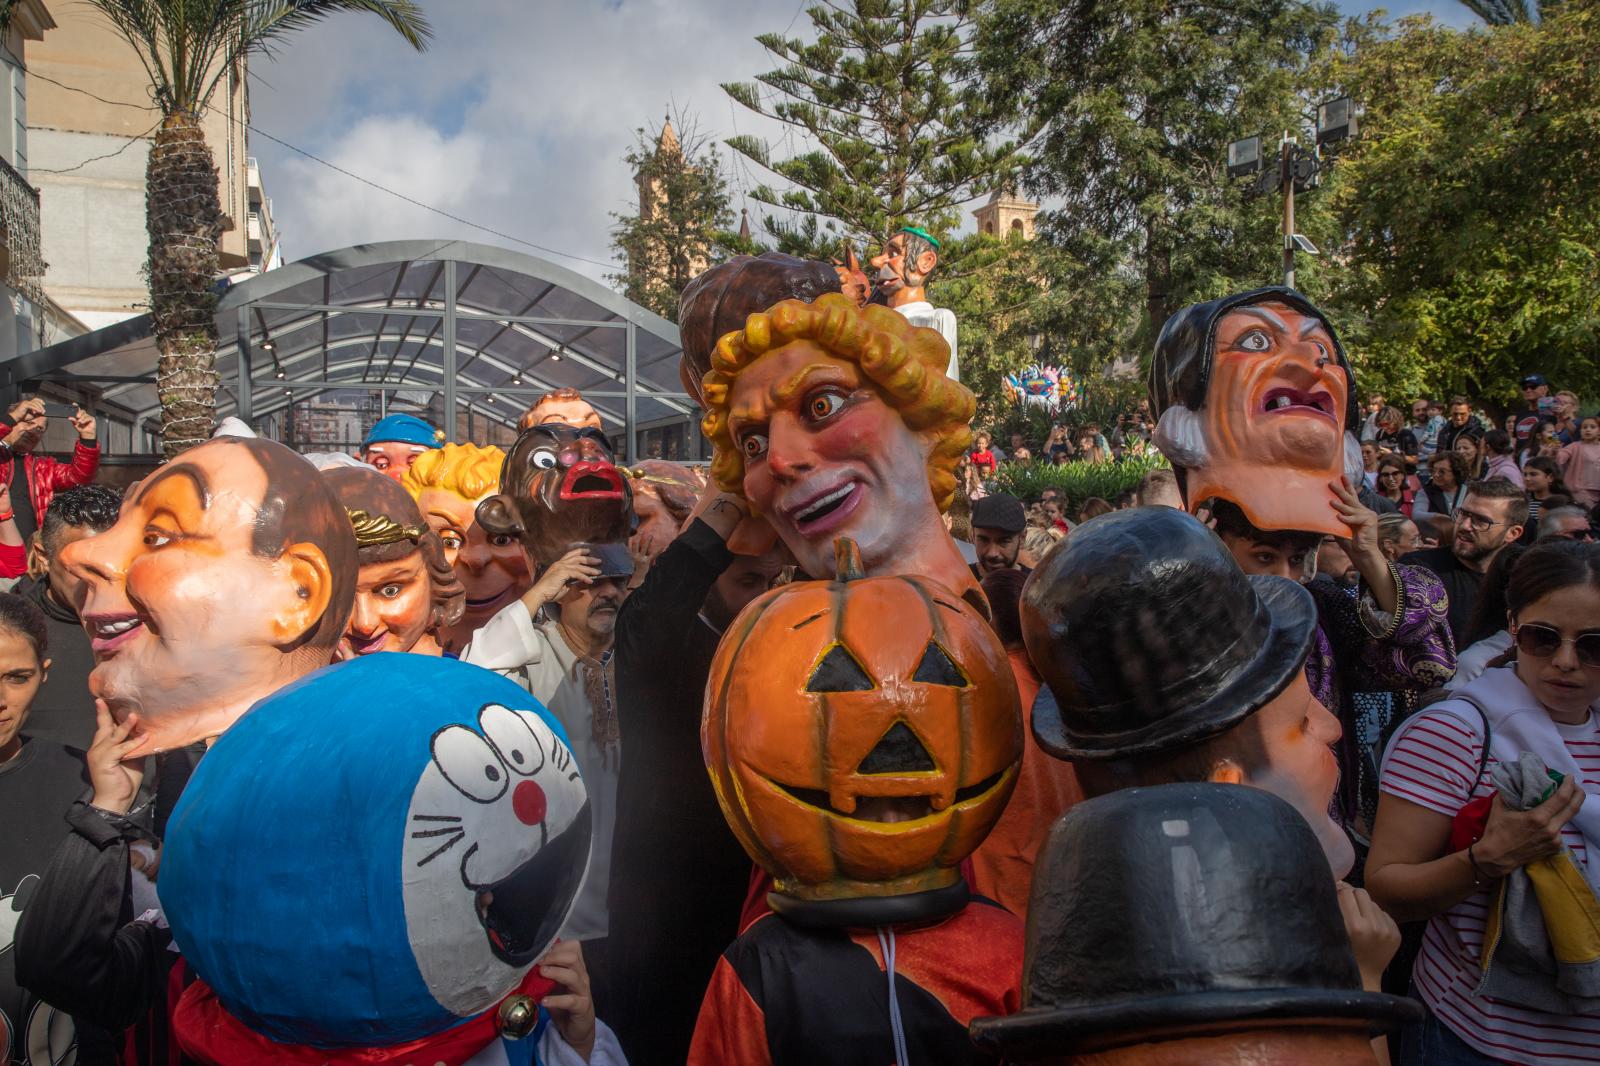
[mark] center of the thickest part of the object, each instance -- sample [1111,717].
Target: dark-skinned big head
[559,488]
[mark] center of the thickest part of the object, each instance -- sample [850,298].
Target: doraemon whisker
[446,846]
[421,833]
[436,818]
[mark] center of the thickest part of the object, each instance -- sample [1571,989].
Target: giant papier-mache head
[863,737]
[905,364]
[1255,404]
[559,489]
[371,856]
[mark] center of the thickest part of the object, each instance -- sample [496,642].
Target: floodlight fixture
[1303,243]
[1244,157]
[1336,120]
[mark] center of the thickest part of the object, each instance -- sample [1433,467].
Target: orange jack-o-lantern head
[1255,404]
[863,736]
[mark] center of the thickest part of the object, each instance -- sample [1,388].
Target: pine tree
[683,224]
[896,128]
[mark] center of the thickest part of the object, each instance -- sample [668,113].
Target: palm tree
[1506,12]
[187,47]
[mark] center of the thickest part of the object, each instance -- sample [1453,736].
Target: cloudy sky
[516,118]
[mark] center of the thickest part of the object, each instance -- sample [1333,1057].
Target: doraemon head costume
[376,853]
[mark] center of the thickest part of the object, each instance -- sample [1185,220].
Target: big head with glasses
[1553,602]
[1492,516]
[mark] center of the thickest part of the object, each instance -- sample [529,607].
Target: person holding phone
[34,479]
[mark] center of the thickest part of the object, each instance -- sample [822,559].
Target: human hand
[25,417]
[84,423]
[1512,839]
[572,1009]
[577,567]
[1362,521]
[115,778]
[1374,936]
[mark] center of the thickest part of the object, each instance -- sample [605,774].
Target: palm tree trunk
[184,218]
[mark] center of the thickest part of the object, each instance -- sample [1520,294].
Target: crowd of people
[858,765]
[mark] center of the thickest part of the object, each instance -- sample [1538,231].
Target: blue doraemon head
[376,852]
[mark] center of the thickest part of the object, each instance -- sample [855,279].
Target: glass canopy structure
[314,352]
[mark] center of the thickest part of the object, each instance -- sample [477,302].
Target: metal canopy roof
[489,328]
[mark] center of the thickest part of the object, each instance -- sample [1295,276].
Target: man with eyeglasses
[1492,516]
[1565,523]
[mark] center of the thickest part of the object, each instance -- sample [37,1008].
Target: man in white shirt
[565,663]
[903,268]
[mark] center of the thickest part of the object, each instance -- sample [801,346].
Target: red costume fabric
[1002,867]
[783,995]
[47,475]
[209,1034]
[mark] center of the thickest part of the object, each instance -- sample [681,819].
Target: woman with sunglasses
[1544,702]
[1395,485]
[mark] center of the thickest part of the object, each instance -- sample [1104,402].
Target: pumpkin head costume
[863,737]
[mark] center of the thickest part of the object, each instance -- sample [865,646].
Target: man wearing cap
[998,522]
[566,663]
[1538,408]
[903,268]
[394,443]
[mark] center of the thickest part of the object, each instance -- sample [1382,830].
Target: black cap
[1216,905]
[1151,638]
[615,559]
[1000,511]
[1533,381]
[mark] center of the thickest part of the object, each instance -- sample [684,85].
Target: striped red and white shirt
[1433,762]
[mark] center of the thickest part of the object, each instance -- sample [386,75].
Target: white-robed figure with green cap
[905,263]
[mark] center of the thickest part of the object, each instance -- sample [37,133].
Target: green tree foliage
[1139,101]
[684,221]
[1078,481]
[1471,201]
[895,126]
[1503,12]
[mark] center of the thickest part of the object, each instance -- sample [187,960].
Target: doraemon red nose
[591,479]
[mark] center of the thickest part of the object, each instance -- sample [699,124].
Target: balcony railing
[21,263]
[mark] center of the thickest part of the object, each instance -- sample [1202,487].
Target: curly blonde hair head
[468,470]
[905,362]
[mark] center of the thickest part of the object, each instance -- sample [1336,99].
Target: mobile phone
[59,410]
[1547,403]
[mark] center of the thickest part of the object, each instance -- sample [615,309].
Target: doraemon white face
[497,841]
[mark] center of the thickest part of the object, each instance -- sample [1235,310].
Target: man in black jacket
[64,710]
[678,876]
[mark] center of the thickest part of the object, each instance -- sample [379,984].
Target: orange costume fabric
[1002,867]
[783,995]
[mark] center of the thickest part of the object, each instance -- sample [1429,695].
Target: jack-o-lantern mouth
[591,479]
[886,810]
[1295,401]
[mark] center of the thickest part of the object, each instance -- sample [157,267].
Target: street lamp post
[1297,169]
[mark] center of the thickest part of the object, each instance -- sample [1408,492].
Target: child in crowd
[1580,463]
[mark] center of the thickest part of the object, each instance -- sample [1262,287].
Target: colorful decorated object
[863,736]
[372,856]
[1255,404]
[1189,925]
[559,489]
[1049,387]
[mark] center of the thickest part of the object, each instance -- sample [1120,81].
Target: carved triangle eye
[839,672]
[937,668]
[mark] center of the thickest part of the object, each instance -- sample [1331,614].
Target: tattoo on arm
[722,507]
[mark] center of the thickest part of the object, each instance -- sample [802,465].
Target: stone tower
[1007,215]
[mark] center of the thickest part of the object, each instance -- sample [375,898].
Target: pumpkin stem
[847,560]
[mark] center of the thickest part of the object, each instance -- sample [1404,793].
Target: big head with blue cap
[376,853]
[393,443]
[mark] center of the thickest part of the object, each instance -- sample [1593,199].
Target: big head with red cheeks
[392,458]
[1270,431]
[825,457]
[230,573]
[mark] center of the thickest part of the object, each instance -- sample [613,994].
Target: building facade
[1007,215]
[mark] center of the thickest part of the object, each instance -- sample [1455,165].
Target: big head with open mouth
[448,485]
[559,488]
[1255,402]
[838,421]
[862,736]
[230,572]
[409,829]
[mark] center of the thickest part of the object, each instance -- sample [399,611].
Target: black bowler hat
[1215,905]
[1152,639]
